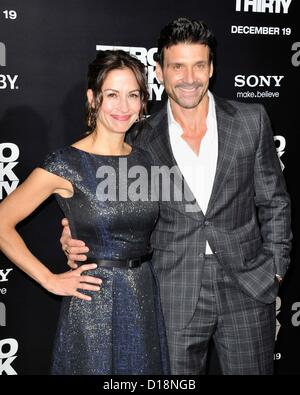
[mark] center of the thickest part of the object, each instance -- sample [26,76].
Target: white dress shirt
[198,170]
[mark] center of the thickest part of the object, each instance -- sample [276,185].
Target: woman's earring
[90,115]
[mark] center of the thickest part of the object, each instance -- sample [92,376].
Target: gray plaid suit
[247,225]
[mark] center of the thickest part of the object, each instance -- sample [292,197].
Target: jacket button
[201,255]
[206,223]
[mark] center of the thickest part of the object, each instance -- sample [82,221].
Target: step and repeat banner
[45,47]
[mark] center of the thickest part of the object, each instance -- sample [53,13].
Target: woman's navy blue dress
[121,331]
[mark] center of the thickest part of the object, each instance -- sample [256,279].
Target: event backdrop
[45,47]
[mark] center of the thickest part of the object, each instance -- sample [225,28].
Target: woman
[111,320]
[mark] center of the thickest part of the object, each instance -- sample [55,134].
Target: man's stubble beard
[182,103]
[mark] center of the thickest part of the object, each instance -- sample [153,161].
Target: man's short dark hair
[184,30]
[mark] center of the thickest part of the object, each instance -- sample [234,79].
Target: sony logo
[257,80]
[3,274]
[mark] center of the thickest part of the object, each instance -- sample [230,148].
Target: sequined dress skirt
[121,331]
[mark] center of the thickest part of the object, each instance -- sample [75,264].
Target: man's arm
[272,199]
[74,249]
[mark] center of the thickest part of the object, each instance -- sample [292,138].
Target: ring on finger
[66,251]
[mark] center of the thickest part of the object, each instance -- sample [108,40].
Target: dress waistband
[129,263]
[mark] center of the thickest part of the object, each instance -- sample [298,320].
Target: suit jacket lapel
[160,144]
[227,124]
[160,147]
[227,144]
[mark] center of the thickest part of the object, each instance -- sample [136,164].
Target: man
[219,260]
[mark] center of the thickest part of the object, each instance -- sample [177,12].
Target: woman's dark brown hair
[98,70]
